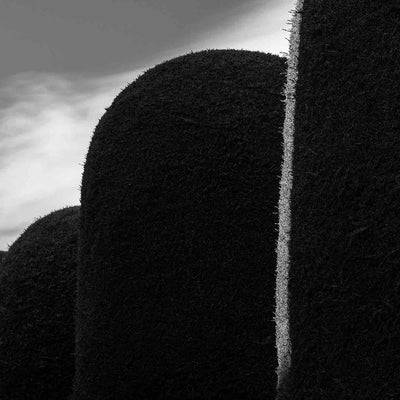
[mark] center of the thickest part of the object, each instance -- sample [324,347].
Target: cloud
[55,36]
[45,131]
[47,120]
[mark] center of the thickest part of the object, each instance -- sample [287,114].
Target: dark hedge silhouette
[344,275]
[37,301]
[178,232]
[2,256]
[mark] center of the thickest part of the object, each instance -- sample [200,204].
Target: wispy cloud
[45,130]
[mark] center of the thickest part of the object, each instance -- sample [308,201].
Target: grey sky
[63,62]
[107,36]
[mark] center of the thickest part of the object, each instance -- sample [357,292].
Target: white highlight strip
[283,344]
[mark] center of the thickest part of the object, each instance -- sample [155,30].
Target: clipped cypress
[37,302]
[344,277]
[178,233]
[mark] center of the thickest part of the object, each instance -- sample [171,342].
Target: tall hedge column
[344,269]
[178,233]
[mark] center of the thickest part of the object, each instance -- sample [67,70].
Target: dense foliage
[178,232]
[37,301]
[344,247]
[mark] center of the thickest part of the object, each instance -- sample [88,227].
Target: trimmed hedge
[178,229]
[344,275]
[37,301]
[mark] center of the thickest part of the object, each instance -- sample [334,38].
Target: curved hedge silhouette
[178,233]
[37,301]
[344,273]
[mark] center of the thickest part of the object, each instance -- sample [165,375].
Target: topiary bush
[178,231]
[344,276]
[37,301]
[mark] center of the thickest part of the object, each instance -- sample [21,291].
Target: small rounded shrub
[178,231]
[344,275]
[37,301]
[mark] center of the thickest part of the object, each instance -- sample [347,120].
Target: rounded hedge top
[178,231]
[37,300]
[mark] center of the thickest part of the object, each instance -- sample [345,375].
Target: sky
[63,62]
